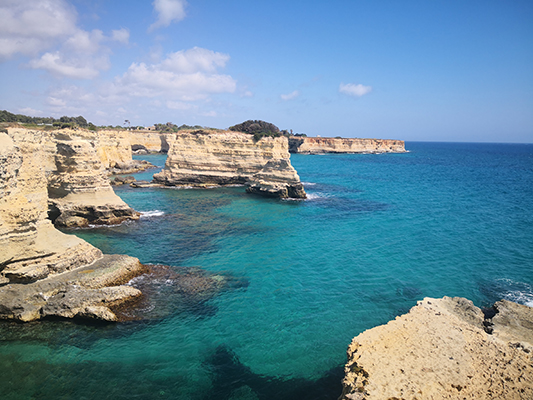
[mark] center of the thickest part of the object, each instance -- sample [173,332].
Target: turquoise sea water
[378,233]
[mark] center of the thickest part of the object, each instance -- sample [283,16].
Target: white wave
[518,292]
[315,196]
[154,213]
[309,183]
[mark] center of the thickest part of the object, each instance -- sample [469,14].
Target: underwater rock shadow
[167,291]
[232,379]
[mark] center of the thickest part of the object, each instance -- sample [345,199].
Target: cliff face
[79,192]
[150,141]
[441,349]
[319,145]
[39,264]
[231,158]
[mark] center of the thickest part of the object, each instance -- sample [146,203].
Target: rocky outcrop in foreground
[320,145]
[442,349]
[44,272]
[231,158]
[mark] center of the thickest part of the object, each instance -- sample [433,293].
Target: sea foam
[149,214]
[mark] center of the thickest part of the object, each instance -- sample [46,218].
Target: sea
[377,233]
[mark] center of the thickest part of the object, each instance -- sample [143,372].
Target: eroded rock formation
[320,145]
[40,266]
[229,158]
[153,142]
[79,192]
[441,350]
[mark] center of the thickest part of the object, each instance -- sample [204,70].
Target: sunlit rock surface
[441,349]
[231,158]
[320,145]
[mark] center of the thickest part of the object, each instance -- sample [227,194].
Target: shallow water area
[376,234]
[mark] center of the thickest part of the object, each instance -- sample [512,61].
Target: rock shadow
[234,380]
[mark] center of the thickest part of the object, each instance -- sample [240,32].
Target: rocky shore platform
[445,349]
[87,292]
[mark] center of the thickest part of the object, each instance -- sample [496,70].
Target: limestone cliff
[441,350]
[35,258]
[114,150]
[154,142]
[319,145]
[79,192]
[228,158]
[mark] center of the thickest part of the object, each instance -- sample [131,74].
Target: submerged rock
[441,349]
[170,290]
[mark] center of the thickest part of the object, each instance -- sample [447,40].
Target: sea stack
[79,192]
[231,158]
[445,349]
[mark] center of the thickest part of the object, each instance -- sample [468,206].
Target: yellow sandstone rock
[440,350]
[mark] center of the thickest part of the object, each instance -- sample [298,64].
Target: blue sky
[414,70]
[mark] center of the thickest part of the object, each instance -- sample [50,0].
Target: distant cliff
[228,158]
[318,145]
[445,349]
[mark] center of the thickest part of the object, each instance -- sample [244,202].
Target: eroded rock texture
[229,158]
[319,145]
[37,261]
[441,350]
[79,192]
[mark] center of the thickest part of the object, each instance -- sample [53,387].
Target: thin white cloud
[290,96]
[82,56]
[179,105]
[31,26]
[351,89]
[168,11]
[193,60]
[58,65]
[120,35]
[185,75]
[30,111]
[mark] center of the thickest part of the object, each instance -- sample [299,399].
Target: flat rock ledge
[86,292]
[445,349]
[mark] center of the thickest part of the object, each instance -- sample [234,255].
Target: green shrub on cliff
[257,128]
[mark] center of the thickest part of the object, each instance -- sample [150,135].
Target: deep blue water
[378,233]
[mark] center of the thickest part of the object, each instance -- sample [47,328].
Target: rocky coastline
[322,145]
[44,272]
[442,348]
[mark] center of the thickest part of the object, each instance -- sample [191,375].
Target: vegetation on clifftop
[257,128]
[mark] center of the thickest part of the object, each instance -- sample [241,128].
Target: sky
[449,70]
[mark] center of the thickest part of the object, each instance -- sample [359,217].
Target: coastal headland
[321,145]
